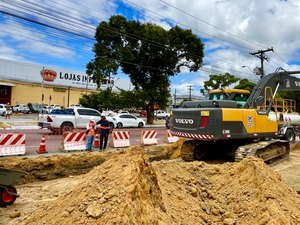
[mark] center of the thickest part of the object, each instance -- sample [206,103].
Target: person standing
[8,111]
[167,122]
[90,134]
[104,131]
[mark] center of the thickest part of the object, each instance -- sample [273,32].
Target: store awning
[7,84]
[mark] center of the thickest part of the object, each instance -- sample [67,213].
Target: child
[90,133]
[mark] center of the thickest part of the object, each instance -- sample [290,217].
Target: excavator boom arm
[278,80]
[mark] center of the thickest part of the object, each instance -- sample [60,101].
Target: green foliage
[217,81]
[107,99]
[295,95]
[245,84]
[147,53]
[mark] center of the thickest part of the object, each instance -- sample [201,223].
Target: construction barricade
[149,137]
[73,141]
[42,147]
[12,144]
[119,139]
[96,143]
[170,138]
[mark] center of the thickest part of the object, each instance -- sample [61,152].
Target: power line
[194,29]
[82,25]
[203,21]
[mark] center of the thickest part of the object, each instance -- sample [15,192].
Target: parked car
[160,114]
[56,106]
[128,120]
[35,107]
[75,105]
[123,112]
[21,108]
[143,113]
[109,113]
[47,109]
[2,109]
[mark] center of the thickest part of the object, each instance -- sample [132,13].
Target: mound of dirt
[129,189]
[47,167]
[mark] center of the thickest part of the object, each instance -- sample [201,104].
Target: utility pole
[261,55]
[190,91]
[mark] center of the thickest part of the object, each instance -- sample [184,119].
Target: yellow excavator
[219,126]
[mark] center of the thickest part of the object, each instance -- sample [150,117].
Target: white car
[56,106]
[2,109]
[21,108]
[47,109]
[128,120]
[160,114]
[123,112]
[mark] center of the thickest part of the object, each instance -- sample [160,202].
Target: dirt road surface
[130,187]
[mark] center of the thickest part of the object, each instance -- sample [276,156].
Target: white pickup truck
[71,118]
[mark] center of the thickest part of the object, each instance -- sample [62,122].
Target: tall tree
[149,54]
[220,81]
[245,84]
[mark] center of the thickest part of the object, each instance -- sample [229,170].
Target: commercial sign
[48,75]
[63,78]
[33,73]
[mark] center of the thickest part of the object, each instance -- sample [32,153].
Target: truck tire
[5,197]
[66,127]
[290,135]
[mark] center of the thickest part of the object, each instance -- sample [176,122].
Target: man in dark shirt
[104,131]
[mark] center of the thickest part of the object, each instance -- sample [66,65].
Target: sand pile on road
[129,189]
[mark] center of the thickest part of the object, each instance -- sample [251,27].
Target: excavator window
[216,96]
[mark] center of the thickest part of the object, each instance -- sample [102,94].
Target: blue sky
[230,30]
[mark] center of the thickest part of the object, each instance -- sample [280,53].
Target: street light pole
[252,72]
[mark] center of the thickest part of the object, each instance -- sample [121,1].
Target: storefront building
[22,83]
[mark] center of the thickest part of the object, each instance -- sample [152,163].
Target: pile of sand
[129,189]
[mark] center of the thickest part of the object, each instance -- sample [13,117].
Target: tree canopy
[245,84]
[109,100]
[147,53]
[217,81]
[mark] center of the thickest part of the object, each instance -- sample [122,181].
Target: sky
[61,33]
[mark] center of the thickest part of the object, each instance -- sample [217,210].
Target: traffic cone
[42,148]
[96,143]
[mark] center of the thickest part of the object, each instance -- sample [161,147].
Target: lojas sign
[68,79]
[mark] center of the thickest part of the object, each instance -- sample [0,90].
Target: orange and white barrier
[96,143]
[149,137]
[12,144]
[42,148]
[74,141]
[120,139]
[170,138]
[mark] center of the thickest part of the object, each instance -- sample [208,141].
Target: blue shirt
[105,128]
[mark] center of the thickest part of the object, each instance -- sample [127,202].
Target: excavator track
[187,150]
[272,152]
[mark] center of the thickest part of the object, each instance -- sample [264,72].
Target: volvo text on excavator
[220,126]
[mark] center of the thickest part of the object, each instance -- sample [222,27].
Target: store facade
[22,83]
